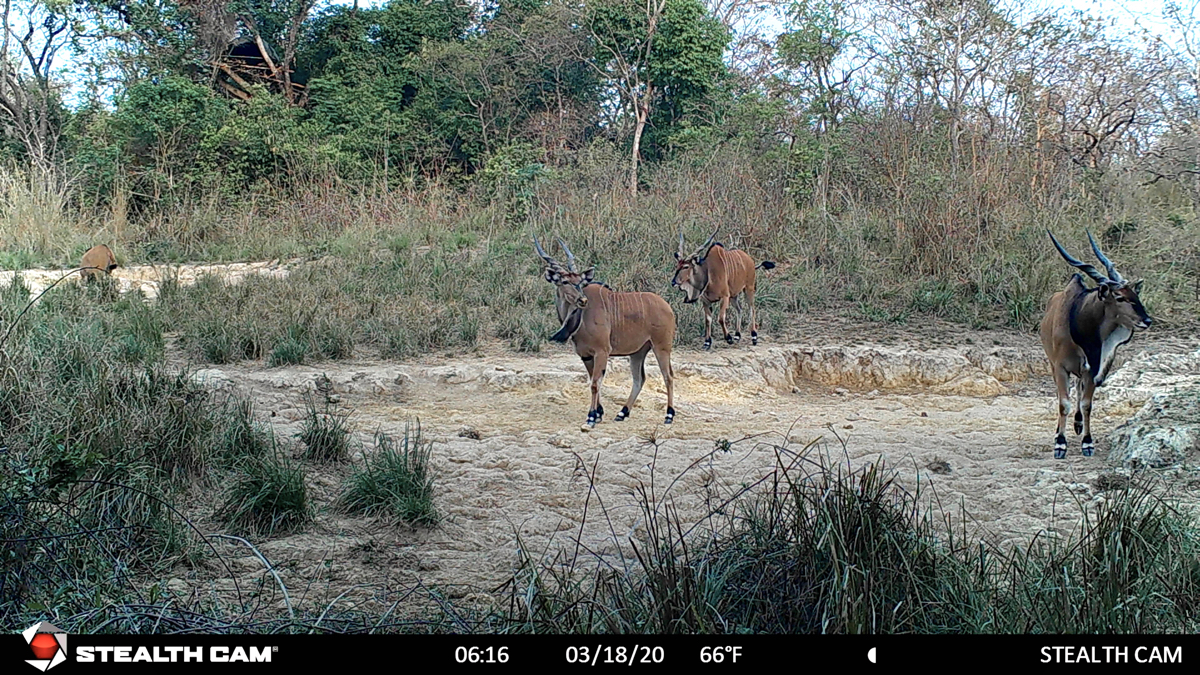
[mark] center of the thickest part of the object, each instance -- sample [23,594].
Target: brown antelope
[714,274]
[603,323]
[97,259]
[1081,332]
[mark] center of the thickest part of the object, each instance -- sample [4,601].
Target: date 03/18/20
[619,655]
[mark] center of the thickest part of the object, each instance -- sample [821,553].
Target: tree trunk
[642,109]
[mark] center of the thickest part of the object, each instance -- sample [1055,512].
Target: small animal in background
[98,258]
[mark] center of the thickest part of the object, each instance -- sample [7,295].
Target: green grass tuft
[326,433]
[269,497]
[395,479]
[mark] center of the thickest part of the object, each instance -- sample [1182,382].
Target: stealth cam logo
[48,643]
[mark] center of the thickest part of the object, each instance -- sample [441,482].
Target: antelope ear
[589,274]
[1137,286]
[677,255]
[553,277]
[1106,292]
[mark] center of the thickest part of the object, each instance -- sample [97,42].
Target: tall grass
[99,440]
[411,272]
[817,548]
[395,480]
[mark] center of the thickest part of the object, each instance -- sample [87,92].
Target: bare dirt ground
[966,416]
[970,424]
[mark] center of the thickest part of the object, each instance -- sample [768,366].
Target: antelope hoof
[623,414]
[728,338]
[1088,447]
[737,337]
[1060,447]
[670,415]
[1078,425]
[754,337]
[708,344]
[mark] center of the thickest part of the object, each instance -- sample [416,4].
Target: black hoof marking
[1088,446]
[1078,425]
[623,414]
[708,344]
[737,337]
[729,339]
[1060,453]
[754,337]
[670,416]
[1060,447]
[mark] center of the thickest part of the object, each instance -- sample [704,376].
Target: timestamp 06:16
[481,655]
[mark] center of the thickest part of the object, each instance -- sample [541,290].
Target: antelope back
[729,271]
[100,257]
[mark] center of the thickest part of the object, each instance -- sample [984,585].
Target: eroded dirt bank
[146,278]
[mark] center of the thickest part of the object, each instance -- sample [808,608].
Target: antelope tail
[766,265]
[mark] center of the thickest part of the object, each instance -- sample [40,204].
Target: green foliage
[684,63]
[263,139]
[395,479]
[326,432]
[267,497]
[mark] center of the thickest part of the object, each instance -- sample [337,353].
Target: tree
[951,54]
[815,53]
[30,100]
[655,55]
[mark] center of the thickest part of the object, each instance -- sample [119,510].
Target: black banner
[483,653]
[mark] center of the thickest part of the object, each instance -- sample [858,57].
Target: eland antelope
[97,259]
[1081,332]
[603,323]
[715,274]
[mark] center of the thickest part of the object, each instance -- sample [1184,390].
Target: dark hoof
[623,414]
[1060,447]
[670,416]
[1078,426]
[737,337]
[707,345]
[1060,453]
[754,337]
[729,339]
[1089,448]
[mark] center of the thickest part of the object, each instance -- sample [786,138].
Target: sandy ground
[966,416]
[970,425]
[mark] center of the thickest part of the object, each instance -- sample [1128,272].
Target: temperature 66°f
[720,654]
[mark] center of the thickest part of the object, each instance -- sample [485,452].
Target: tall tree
[30,98]
[655,54]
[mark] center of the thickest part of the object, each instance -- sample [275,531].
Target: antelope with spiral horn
[1081,331]
[716,274]
[603,323]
